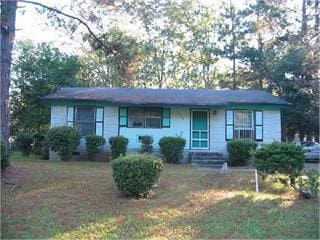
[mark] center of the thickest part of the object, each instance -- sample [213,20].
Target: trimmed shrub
[146,144]
[39,140]
[63,140]
[4,156]
[23,142]
[283,158]
[93,143]
[309,182]
[239,151]
[171,148]
[118,146]
[135,175]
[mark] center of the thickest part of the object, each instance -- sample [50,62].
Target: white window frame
[243,127]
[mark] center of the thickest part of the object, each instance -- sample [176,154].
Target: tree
[8,17]
[265,27]
[38,70]
[232,35]
[121,66]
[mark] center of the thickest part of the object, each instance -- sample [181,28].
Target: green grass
[78,200]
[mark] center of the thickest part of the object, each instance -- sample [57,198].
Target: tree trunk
[316,19]
[302,135]
[234,83]
[8,19]
[309,136]
[260,48]
[304,19]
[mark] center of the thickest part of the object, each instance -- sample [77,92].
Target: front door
[199,129]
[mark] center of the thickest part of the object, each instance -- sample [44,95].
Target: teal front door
[199,129]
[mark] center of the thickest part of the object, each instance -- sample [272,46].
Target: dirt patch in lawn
[15,175]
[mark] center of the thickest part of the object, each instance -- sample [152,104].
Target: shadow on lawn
[236,215]
[70,201]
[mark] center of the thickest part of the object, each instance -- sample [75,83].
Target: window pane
[70,114]
[153,112]
[258,118]
[229,132]
[136,122]
[195,144]
[243,119]
[259,132]
[85,114]
[243,134]
[85,128]
[136,117]
[204,135]
[99,129]
[153,122]
[70,124]
[199,120]
[204,144]
[136,112]
[195,134]
[229,117]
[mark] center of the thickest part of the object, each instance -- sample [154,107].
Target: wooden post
[256,176]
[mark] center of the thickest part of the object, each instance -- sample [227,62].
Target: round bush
[24,141]
[146,144]
[118,146]
[239,151]
[93,143]
[4,156]
[63,140]
[135,175]
[281,158]
[171,148]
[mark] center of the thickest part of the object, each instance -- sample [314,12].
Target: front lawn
[78,200]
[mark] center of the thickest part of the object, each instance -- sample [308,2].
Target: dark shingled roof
[182,97]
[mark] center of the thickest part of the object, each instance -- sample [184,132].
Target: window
[243,124]
[84,120]
[139,117]
[89,120]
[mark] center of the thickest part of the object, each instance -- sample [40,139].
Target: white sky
[32,25]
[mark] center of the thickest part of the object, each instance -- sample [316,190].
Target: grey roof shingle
[183,97]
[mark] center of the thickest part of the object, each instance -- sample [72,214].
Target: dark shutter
[258,126]
[229,124]
[99,121]
[123,117]
[70,116]
[166,117]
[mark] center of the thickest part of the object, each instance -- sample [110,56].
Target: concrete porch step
[218,166]
[207,160]
[207,157]
[202,154]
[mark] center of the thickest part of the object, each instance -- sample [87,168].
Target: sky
[34,26]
